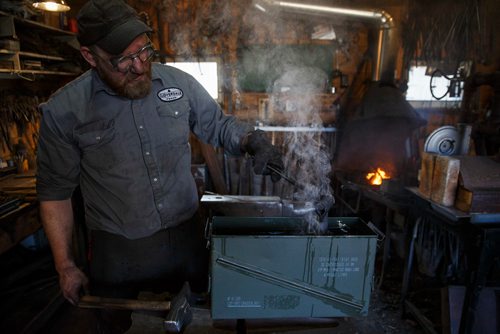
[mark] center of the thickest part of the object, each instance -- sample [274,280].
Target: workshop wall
[230,30]
[39,55]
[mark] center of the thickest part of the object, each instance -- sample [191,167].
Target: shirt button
[155,179]
[176,113]
[160,205]
[141,127]
[147,153]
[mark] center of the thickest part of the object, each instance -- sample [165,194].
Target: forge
[380,135]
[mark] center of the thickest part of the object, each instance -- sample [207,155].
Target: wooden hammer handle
[87,301]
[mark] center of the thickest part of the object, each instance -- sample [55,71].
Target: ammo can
[270,267]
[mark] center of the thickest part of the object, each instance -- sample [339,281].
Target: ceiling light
[52,5]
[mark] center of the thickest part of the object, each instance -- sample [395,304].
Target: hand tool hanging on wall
[20,110]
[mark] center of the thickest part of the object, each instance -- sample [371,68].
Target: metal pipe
[386,51]
[378,15]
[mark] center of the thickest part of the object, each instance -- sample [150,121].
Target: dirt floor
[30,303]
[384,318]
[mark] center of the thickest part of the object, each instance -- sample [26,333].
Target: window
[419,86]
[204,72]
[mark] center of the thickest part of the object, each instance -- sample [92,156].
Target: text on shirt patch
[170,94]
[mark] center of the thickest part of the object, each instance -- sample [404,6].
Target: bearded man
[120,133]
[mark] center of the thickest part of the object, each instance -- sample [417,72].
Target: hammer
[179,312]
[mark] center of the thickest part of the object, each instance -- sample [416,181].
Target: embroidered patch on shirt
[170,94]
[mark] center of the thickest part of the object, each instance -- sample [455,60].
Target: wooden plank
[445,180]
[426,174]
[464,199]
[233,170]
[214,168]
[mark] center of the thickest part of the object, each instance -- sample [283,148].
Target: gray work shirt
[131,158]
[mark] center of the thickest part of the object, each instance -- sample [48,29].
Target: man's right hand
[264,154]
[71,281]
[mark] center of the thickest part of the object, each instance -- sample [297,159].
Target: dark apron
[120,267]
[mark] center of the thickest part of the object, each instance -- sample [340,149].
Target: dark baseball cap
[110,24]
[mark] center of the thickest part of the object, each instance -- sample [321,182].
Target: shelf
[36,72]
[38,25]
[8,74]
[7,52]
[27,64]
[31,55]
[40,56]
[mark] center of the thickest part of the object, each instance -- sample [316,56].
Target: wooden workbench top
[19,184]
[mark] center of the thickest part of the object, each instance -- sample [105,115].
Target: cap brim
[120,38]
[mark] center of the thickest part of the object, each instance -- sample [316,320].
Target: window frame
[220,77]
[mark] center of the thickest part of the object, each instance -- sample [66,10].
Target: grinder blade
[444,141]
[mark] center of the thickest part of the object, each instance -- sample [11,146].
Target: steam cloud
[306,158]
[293,93]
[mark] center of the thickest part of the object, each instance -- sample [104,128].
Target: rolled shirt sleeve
[58,158]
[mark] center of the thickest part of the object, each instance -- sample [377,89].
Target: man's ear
[88,55]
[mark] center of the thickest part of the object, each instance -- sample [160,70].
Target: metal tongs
[322,206]
[284,175]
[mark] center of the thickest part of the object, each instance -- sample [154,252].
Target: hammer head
[180,313]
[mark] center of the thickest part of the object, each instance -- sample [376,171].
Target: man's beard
[126,86]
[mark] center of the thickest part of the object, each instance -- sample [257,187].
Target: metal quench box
[268,267]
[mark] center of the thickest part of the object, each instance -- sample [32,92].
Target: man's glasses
[123,63]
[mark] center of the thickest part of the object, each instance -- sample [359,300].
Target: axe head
[180,313]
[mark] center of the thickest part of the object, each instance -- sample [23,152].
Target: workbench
[480,235]
[478,232]
[22,220]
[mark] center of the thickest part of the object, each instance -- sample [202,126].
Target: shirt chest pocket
[99,144]
[174,118]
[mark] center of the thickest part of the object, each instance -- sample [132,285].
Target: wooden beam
[214,168]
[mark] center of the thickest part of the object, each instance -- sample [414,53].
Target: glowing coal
[376,178]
